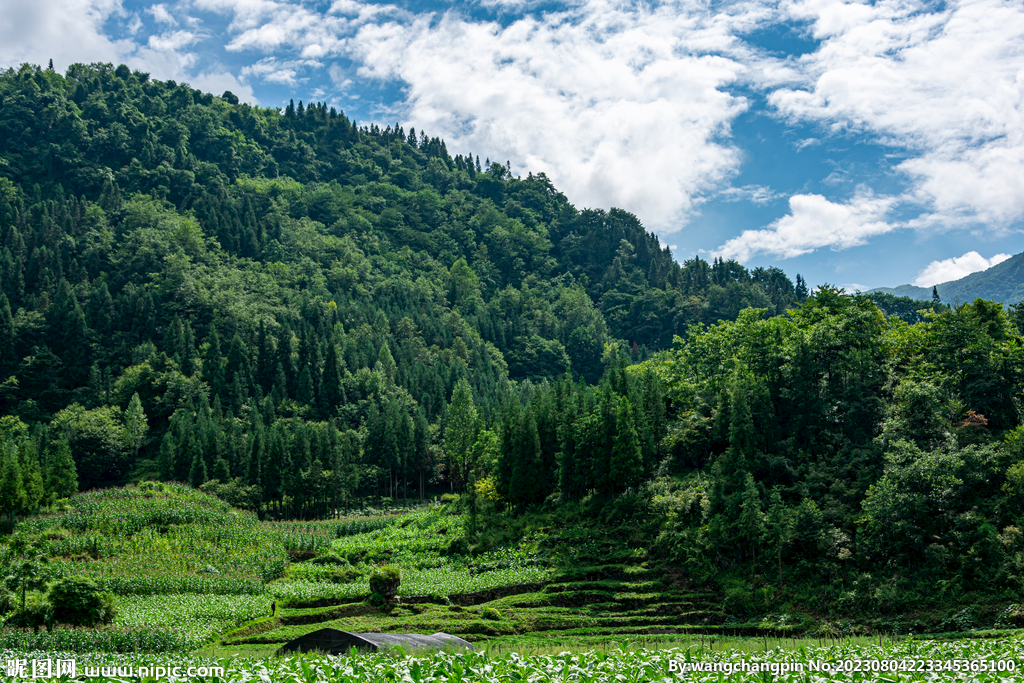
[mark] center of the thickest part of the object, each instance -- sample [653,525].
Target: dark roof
[335,642]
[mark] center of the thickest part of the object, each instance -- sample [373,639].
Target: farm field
[981,661]
[195,582]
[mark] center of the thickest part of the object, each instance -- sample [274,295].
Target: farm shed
[336,642]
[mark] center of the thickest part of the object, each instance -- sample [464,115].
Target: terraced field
[190,573]
[621,600]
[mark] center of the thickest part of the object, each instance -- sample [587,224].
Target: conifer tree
[7,336]
[62,477]
[12,492]
[197,471]
[460,432]
[135,425]
[626,463]
[167,458]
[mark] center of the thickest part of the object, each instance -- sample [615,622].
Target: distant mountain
[1003,282]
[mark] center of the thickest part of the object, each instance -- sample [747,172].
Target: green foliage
[195,289]
[385,580]
[79,601]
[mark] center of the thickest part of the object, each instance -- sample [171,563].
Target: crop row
[778,665]
[441,581]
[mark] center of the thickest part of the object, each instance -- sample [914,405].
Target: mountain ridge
[1003,282]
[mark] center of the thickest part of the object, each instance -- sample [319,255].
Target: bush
[491,613]
[342,575]
[7,601]
[458,546]
[37,612]
[329,559]
[386,580]
[77,600]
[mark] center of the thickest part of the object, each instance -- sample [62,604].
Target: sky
[860,144]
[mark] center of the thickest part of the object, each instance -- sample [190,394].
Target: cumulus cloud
[70,31]
[161,15]
[67,31]
[755,194]
[955,268]
[945,85]
[272,70]
[620,106]
[814,222]
[172,40]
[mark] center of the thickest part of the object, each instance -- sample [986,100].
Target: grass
[195,576]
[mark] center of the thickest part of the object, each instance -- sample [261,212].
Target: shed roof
[334,641]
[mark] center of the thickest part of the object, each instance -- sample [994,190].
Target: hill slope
[1003,282]
[288,292]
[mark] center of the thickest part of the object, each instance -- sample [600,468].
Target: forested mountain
[292,297]
[1003,282]
[870,465]
[294,311]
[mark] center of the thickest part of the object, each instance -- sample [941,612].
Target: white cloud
[217,82]
[161,15]
[955,268]
[814,222]
[67,31]
[946,85]
[72,31]
[755,194]
[620,105]
[172,40]
[271,70]
[135,25]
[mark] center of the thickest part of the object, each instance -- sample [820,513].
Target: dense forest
[295,312]
[292,298]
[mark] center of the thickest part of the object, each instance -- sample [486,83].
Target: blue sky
[862,144]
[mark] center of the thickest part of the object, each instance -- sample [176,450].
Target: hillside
[1003,282]
[289,293]
[303,317]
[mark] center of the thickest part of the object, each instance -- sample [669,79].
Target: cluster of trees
[881,457]
[34,470]
[288,287]
[293,311]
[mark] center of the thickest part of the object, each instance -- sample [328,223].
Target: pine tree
[779,526]
[197,471]
[168,457]
[12,492]
[213,364]
[935,295]
[333,393]
[626,464]
[32,481]
[135,425]
[523,486]
[751,521]
[62,477]
[7,336]
[460,432]
[801,288]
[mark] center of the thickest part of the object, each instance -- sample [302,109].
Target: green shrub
[37,612]
[458,546]
[491,613]
[329,559]
[386,580]
[78,600]
[7,601]
[342,575]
